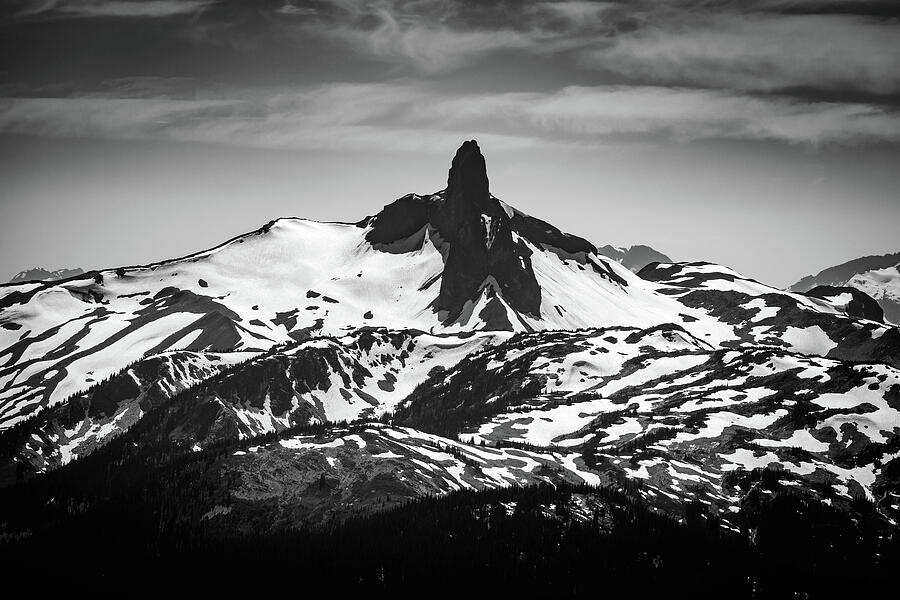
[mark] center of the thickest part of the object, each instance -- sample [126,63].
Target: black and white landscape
[446,393]
[307,373]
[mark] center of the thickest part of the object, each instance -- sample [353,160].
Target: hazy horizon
[765,137]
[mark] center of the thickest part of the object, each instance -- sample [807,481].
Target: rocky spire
[467,182]
[480,234]
[467,195]
[481,240]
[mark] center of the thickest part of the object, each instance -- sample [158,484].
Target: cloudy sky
[762,134]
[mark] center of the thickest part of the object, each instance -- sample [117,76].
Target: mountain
[457,260]
[877,276]
[634,258]
[41,274]
[756,314]
[308,374]
[453,261]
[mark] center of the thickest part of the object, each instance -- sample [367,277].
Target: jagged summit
[467,181]
[466,196]
[486,243]
[485,256]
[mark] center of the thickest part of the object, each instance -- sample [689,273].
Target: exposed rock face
[484,251]
[467,194]
[481,241]
[487,256]
[861,305]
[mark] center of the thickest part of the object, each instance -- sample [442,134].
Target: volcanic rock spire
[466,196]
[485,256]
[467,182]
[483,252]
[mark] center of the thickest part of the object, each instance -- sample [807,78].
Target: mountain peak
[478,232]
[42,274]
[483,240]
[467,182]
[482,244]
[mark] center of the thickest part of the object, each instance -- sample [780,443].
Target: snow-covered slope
[458,260]
[449,341]
[371,464]
[75,428]
[295,278]
[458,315]
[237,395]
[664,409]
[362,375]
[884,286]
[289,280]
[657,407]
[757,314]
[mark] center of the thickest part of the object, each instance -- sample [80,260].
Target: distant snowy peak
[877,276]
[884,286]
[840,274]
[634,258]
[41,274]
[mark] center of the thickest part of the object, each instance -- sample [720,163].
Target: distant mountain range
[634,258]
[306,373]
[877,276]
[41,274]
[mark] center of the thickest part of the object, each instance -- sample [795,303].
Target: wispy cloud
[759,45]
[427,35]
[649,69]
[406,116]
[428,48]
[109,8]
[760,53]
[833,46]
[602,112]
[337,117]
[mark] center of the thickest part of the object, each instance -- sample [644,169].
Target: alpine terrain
[452,369]
[877,276]
[39,273]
